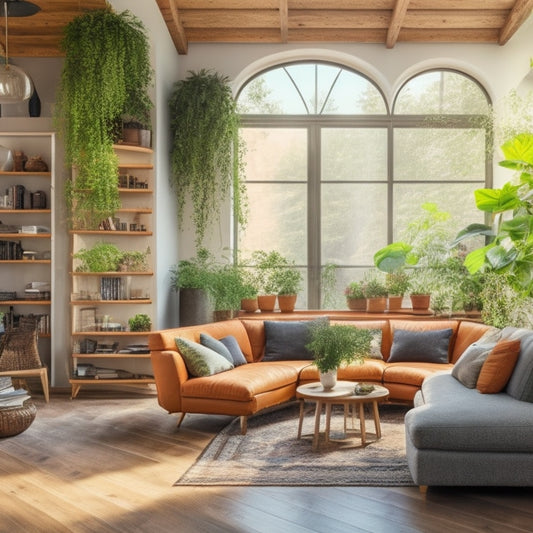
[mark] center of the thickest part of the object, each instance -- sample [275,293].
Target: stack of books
[9,396]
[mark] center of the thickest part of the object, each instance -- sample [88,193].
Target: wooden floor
[107,462]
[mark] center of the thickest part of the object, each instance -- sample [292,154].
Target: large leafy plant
[106,75]
[509,249]
[206,154]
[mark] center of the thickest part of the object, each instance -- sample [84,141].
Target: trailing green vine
[106,75]
[206,151]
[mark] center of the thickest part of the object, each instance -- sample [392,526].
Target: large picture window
[333,175]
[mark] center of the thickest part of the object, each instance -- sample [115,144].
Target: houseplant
[397,284]
[206,150]
[375,293]
[266,267]
[106,73]
[355,297]
[335,344]
[140,322]
[192,279]
[288,281]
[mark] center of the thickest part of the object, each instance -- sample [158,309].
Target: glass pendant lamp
[15,84]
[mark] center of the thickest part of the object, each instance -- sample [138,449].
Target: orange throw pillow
[498,367]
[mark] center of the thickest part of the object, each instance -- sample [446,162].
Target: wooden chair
[19,355]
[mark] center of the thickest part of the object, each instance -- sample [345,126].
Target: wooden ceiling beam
[518,15]
[284,20]
[396,23]
[172,17]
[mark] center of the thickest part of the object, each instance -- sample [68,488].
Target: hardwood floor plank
[108,461]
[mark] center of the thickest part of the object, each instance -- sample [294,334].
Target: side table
[342,394]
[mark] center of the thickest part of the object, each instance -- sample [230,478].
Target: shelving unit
[17,273]
[104,326]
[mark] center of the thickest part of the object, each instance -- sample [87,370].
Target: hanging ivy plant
[106,75]
[206,155]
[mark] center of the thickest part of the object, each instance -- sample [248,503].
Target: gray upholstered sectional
[457,436]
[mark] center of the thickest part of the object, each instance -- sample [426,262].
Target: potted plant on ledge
[334,345]
[355,297]
[375,292]
[288,280]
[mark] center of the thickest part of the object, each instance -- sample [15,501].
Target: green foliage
[105,257]
[207,152]
[355,290]
[335,344]
[397,282]
[106,74]
[102,257]
[288,279]
[193,273]
[140,322]
[267,267]
[328,285]
[510,247]
[373,286]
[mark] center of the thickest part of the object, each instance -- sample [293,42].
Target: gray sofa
[457,436]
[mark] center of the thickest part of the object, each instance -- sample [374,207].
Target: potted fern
[334,345]
[106,75]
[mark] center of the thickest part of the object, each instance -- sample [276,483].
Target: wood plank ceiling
[293,21]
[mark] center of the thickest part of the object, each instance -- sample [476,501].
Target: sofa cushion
[230,342]
[200,360]
[498,367]
[287,340]
[431,346]
[411,373]
[520,385]
[468,366]
[215,345]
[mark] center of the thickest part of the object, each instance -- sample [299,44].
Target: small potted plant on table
[334,345]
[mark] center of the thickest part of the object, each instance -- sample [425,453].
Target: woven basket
[15,420]
[19,351]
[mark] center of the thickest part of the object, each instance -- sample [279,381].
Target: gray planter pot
[195,307]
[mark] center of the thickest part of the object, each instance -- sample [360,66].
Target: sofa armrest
[170,373]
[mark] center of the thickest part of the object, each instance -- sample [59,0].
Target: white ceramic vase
[328,379]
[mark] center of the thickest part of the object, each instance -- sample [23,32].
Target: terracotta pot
[266,302]
[249,305]
[356,304]
[286,302]
[395,303]
[420,302]
[376,305]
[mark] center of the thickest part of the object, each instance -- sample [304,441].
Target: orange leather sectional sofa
[249,388]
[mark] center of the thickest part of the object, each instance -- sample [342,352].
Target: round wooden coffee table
[342,394]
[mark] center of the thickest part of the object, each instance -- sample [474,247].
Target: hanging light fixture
[15,84]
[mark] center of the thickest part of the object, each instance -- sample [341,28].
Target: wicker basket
[15,420]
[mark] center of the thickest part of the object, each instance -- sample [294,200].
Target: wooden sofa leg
[423,489]
[181,419]
[244,425]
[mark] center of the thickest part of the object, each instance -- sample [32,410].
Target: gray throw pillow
[467,368]
[429,346]
[230,342]
[215,345]
[200,360]
[520,385]
[286,340]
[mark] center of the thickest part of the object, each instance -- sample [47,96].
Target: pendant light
[15,84]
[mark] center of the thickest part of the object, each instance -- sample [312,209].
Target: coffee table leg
[362,423]
[377,422]
[301,420]
[328,421]
[317,424]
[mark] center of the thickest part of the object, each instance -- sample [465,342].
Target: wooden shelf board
[25,302]
[20,211]
[14,173]
[108,232]
[111,274]
[28,261]
[133,148]
[100,302]
[25,235]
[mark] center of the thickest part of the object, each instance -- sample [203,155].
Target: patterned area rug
[271,455]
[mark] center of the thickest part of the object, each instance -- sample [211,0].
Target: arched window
[331,172]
